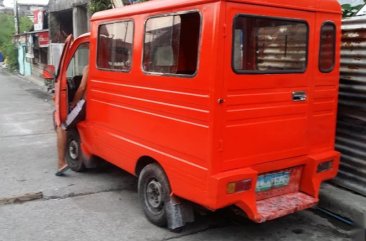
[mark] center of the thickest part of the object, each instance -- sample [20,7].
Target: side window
[327,47]
[115,46]
[269,45]
[78,61]
[171,44]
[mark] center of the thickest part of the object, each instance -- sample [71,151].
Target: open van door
[61,103]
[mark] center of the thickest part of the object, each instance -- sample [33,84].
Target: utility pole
[16,17]
[117,3]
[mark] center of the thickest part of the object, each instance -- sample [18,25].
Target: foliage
[7,31]
[7,28]
[349,10]
[11,56]
[99,5]
[6,34]
[25,24]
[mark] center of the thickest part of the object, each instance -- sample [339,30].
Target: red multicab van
[214,102]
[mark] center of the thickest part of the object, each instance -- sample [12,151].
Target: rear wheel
[154,193]
[73,151]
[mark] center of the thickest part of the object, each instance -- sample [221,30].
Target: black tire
[154,192]
[74,157]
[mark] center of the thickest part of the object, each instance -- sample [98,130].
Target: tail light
[325,166]
[239,186]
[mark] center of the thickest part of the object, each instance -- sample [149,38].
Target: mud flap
[178,213]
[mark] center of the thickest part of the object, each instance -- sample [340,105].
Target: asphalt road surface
[100,204]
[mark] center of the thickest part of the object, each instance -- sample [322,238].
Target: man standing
[61,127]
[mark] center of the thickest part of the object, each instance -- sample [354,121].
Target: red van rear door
[267,84]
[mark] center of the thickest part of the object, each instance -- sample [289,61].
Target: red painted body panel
[60,90]
[201,143]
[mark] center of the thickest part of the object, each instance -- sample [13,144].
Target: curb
[344,203]
[33,79]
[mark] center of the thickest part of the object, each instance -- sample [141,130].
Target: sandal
[60,172]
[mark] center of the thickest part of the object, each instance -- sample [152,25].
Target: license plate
[272,180]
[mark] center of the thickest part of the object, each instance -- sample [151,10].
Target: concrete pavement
[118,216]
[100,204]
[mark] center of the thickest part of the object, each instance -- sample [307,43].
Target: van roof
[331,6]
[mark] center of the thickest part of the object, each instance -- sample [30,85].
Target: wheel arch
[143,161]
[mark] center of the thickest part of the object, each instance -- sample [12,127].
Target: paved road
[100,204]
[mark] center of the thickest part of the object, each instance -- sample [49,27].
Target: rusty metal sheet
[351,125]
[277,50]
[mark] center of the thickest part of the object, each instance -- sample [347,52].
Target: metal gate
[351,125]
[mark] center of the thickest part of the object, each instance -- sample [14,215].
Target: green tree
[99,5]
[7,28]
[25,24]
[350,10]
[7,32]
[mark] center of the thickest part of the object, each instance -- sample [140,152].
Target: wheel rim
[73,149]
[154,196]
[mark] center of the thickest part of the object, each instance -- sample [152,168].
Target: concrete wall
[80,20]
[61,25]
[59,5]
[67,17]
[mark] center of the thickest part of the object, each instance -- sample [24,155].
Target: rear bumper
[267,209]
[279,206]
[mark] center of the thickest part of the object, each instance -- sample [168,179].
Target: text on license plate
[272,180]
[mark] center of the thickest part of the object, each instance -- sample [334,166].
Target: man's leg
[61,145]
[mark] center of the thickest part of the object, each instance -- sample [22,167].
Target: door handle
[299,96]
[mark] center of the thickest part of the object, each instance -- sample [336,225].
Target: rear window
[269,45]
[115,46]
[171,44]
[327,47]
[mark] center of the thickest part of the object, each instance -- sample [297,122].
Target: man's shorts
[76,115]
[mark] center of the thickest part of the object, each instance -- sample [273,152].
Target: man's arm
[82,87]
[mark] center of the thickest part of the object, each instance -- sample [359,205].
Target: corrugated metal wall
[281,47]
[351,125]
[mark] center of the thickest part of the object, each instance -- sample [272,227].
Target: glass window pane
[171,44]
[263,44]
[78,61]
[115,46]
[327,47]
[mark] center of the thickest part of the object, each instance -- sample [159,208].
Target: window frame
[256,72]
[132,44]
[198,47]
[331,68]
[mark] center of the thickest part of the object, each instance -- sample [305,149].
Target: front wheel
[73,151]
[154,193]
